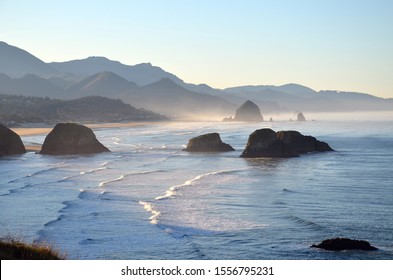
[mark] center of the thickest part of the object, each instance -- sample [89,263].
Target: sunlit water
[148,199]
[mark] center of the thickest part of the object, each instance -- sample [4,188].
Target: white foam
[92,170]
[172,190]
[155,214]
[102,184]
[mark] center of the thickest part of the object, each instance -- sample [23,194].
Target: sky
[342,45]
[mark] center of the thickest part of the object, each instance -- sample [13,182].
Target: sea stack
[70,139]
[248,112]
[283,144]
[210,142]
[10,142]
[300,117]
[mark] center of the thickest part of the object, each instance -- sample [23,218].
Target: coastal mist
[149,199]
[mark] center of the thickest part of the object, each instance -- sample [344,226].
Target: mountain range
[150,87]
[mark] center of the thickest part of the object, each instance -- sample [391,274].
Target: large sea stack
[210,142]
[248,112]
[301,117]
[71,138]
[10,142]
[283,144]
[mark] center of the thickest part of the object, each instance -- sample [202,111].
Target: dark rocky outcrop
[10,142]
[71,138]
[340,244]
[210,142]
[301,144]
[265,143]
[300,117]
[283,144]
[248,112]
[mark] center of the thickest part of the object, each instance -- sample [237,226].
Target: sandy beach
[29,130]
[34,129]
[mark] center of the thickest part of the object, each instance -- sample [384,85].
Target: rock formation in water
[300,144]
[248,112]
[210,142]
[283,144]
[10,142]
[300,117]
[339,244]
[71,138]
[228,119]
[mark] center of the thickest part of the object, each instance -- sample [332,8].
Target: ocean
[148,199]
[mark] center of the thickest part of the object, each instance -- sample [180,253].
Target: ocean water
[148,199]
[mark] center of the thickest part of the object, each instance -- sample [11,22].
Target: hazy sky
[345,45]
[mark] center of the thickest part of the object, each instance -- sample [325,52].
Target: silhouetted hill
[105,84]
[21,109]
[29,85]
[297,90]
[293,97]
[16,63]
[167,97]
[141,74]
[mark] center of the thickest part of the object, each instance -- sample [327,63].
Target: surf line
[102,184]
[172,190]
[149,208]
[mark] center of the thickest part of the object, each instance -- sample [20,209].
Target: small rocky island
[340,244]
[10,142]
[301,117]
[210,142]
[283,144]
[247,112]
[70,139]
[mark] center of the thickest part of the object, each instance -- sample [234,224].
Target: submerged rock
[283,144]
[10,142]
[210,142]
[248,112]
[71,138]
[339,244]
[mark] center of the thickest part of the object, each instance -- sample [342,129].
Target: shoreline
[31,130]
[44,129]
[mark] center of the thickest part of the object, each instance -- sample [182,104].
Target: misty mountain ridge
[105,84]
[16,63]
[141,74]
[150,86]
[169,98]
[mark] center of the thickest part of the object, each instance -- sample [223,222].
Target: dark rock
[71,138]
[301,144]
[300,117]
[339,244]
[210,142]
[267,143]
[322,147]
[10,142]
[248,112]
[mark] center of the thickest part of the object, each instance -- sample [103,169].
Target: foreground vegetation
[17,250]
